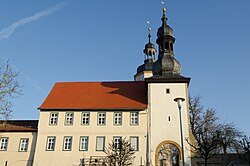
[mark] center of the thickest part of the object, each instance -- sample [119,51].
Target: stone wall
[224,160]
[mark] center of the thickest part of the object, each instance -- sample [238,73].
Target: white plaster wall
[161,106]
[12,154]
[60,157]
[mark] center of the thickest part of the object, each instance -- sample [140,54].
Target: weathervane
[163,6]
[149,29]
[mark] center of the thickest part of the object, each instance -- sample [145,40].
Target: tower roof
[164,29]
[166,65]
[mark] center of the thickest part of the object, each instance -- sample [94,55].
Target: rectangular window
[23,144]
[69,116]
[67,143]
[101,119]
[53,118]
[3,143]
[134,118]
[84,141]
[85,118]
[117,142]
[167,90]
[117,118]
[51,143]
[100,143]
[134,143]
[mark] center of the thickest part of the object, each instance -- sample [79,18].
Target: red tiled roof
[96,95]
[19,125]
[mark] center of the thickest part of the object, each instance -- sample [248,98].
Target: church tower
[168,123]
[166,64]
[146,70]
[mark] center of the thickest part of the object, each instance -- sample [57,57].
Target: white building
[79,119]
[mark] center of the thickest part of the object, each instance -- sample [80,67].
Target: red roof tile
[96,95]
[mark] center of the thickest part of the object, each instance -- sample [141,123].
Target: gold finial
[149,29]
[163,8]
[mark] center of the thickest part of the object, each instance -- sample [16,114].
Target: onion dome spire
[146,69]
[149,50]
[166,65]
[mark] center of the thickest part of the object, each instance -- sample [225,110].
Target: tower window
[168,118]
[150,52]
[167,90]
[166,46]
[171,46]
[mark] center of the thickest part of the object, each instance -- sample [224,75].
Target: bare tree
[204,128]
[121,154]
[229,138]
[195,109]
[245,145]
[210,137]
[9,88]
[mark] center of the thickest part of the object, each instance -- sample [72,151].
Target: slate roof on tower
[96,95]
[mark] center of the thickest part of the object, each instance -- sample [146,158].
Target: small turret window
[166,46]
[168,91]
[171,46]
[161,47]
[150,52]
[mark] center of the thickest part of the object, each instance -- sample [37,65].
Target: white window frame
[51,142]
[53,118]
[67,143]
[101,118]
[134,118]
[84,143]
[117,140]
[103,143]
[117,118]
[85,118]
[4,143]
[69,118]
[24,143]
[134,147]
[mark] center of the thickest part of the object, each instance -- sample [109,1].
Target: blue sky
[75,40]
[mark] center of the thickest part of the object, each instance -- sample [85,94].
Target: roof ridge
[100,82]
